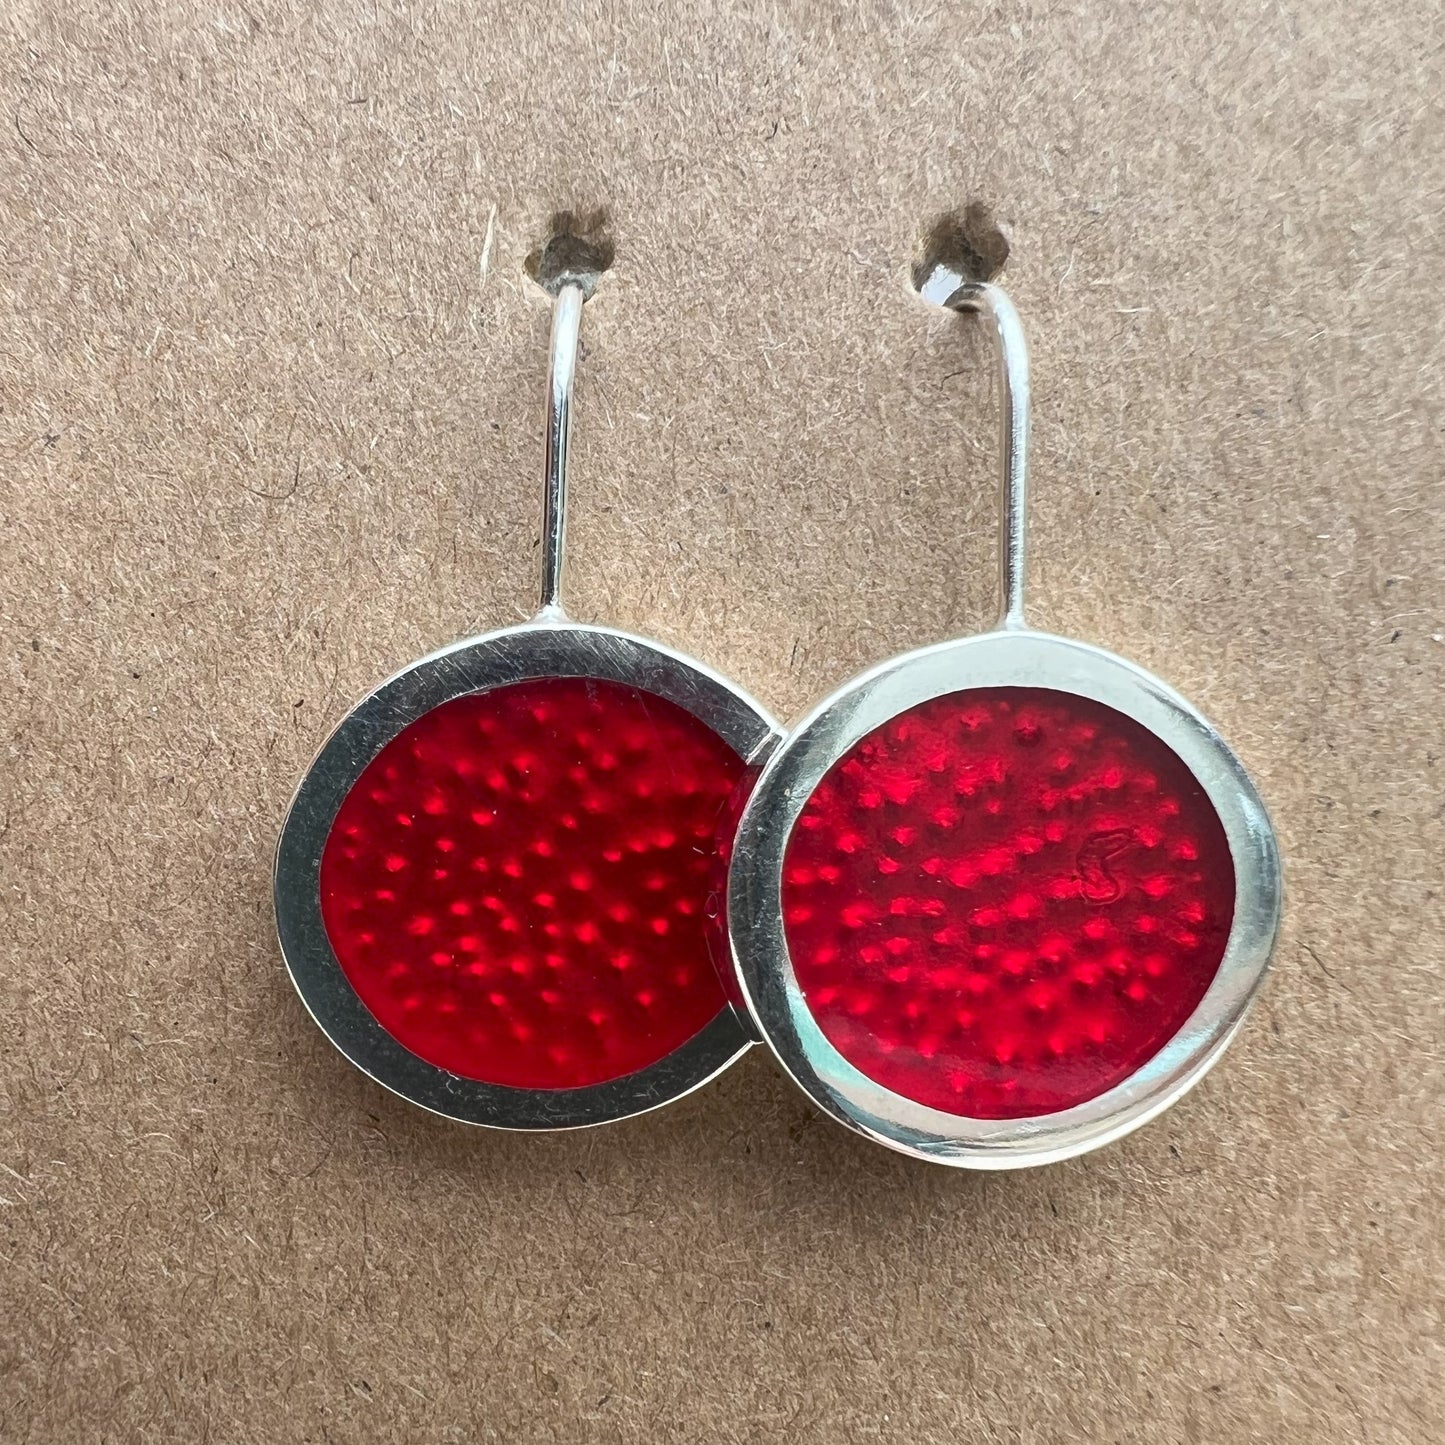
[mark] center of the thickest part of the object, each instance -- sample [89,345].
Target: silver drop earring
[497,888]
[1001,900]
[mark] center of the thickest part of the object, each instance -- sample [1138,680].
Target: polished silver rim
[536,650]
[765,966]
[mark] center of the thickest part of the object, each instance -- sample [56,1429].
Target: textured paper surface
[270,412]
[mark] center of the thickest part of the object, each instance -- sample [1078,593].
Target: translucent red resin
[518,886]
[1004,901]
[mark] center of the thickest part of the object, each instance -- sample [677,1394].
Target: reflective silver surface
[1011,656]
[545,649]
[549,646]
[760,948]
[993,303]
[561,377]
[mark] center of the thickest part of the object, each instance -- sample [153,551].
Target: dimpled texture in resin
[518,885]
[1004,901]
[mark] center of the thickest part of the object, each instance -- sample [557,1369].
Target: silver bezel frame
[544,648]
[1011,657]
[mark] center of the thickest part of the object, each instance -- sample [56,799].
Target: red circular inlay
[1002,902]
[517,885]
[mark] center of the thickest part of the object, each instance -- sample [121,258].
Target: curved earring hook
[992,302]
[561,376]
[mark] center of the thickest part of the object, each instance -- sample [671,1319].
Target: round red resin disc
[1004,901]
[517,886]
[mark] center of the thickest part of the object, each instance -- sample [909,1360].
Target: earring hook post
[561,378]
[993,303]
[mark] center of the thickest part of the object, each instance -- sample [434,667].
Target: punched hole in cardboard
[578,250]
[961,246]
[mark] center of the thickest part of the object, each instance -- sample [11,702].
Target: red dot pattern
[518,886]
[1004,901]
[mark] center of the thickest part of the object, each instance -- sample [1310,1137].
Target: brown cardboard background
[270,430]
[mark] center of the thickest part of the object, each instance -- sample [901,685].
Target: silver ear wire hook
[561,376]
[992,302]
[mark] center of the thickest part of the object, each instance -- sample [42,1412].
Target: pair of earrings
[992,903]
